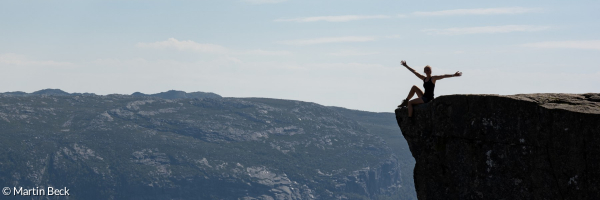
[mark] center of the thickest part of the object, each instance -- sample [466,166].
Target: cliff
[531,146]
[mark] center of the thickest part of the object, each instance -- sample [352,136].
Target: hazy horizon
[334,53]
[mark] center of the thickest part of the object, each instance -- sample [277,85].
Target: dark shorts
[425,99]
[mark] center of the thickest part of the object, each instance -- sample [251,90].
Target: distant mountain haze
[178,145]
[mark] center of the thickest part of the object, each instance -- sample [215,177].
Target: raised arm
[412,70]
[447,76]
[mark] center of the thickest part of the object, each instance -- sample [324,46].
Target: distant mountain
[146,147]
[56,92]
[174,94]
[171,94]
[51,92]
[384,125]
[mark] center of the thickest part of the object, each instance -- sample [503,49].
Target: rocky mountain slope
[146,147]
[534,146]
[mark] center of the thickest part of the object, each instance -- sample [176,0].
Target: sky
[342,53]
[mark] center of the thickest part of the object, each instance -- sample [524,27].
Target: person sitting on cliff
[428,84]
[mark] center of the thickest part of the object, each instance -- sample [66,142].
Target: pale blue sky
[333,52]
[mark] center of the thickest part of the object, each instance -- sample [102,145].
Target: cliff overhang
[528,146]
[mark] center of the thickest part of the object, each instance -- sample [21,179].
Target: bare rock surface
[526,146]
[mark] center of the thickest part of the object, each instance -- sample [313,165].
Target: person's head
[428,70]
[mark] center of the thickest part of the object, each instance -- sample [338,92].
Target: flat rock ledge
[526,146]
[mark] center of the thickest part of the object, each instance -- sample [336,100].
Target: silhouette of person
[428,84]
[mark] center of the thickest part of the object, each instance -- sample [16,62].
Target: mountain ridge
[125,146]
[171,94]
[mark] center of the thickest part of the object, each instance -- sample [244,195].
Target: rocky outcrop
[372,181]
[529,146]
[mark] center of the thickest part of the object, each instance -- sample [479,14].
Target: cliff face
[533,146]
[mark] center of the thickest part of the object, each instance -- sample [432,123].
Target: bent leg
[416,101]
[414,90]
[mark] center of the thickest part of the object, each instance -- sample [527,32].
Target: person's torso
[429,87]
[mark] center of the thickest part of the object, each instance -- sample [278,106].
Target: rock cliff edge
[528,146]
